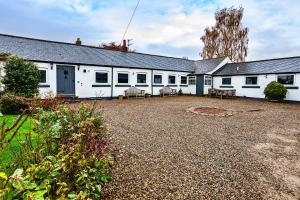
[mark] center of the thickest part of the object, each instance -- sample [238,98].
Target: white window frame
[161,79]
[102,71]
[123,72]
[294,80]
[251,77]
[186,80]
[169,79]
[226,84]
[47,75]
[210,77]
[143,73]
[193,77]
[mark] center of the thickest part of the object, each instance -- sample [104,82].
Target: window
[183,80]
[101,77]
[122,77]
[141,78]
[251,80]
[226,81]
[157,79]
[207,80]
[286,79]
[172,79]
[192,80]
[43,76]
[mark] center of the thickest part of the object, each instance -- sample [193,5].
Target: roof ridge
[262,60]
[223,57]
[89,46]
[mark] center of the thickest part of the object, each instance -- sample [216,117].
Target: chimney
[78,41]
[124,47]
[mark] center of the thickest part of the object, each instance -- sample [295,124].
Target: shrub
[10,104]
[275,91]
[180,92]
[21,77]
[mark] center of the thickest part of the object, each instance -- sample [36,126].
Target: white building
[89,72]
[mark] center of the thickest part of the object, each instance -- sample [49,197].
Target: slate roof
[60,52]
[205,66]
[271,66]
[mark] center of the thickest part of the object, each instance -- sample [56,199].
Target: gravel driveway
[165,152]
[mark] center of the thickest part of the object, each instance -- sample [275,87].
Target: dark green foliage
[10,104]
[275,91]
[21,77]
[180,92]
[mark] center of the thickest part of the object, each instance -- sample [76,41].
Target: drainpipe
[112,82]
[152,82]
[212,82]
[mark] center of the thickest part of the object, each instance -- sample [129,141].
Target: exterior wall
[86,86]
[263,80]
[1,74]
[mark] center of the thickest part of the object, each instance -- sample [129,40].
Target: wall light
[51,65]
[78,67]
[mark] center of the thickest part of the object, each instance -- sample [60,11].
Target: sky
[164,27]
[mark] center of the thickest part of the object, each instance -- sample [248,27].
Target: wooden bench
[167,91]
[212,92]
[134,92]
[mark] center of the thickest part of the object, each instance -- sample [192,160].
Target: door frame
[199,84]
[74,85]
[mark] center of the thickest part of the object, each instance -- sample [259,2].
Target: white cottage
[89,72]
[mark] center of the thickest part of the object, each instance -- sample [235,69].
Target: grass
[8,158]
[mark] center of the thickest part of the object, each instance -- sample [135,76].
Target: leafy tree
[228,37]
[21,77]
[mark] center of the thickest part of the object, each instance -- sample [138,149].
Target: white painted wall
[263,81]
[85,79]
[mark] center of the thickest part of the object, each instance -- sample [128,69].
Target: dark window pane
[251,80]
[141,78]
[43,76]
[157,79]
[183,80]
[226,81]
[192,80]
[172,79]
[101,77]
[286,80]
[122,78]
[207,80]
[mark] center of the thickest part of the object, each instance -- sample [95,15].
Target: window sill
[141,85]
[251,86]
[122,85]
[171,85]
[226,86]
[98,85]
[184,86]
[158,85]
[44,85]
[292,87]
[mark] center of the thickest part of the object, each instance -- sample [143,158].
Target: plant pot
[120,97]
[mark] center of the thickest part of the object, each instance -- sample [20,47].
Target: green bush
[70,160]
[275,91]
[21,77]
[10,104]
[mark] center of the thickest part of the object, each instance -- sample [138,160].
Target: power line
[134,11]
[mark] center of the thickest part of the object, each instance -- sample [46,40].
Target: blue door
[200,85]
[65,79]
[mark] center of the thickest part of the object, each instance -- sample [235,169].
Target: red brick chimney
[124,47]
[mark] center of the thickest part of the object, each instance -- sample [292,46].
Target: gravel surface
[165,152]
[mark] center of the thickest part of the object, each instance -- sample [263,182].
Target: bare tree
[228,37]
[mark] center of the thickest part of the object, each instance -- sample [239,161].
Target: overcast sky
[170,27]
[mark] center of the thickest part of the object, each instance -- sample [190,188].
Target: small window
[207,80]
[157,79]
[43,76]
[101,77]
[122,78]
[183,80]
[172,80]
[226,81]
[141,78]
[286,79]
[251,80]
[192,80]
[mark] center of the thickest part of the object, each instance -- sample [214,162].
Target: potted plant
[147,95]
